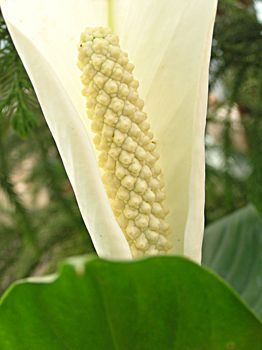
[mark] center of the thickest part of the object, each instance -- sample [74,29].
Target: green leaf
[158,303]
[233,248]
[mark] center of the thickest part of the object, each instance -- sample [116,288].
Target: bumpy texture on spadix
[127,150]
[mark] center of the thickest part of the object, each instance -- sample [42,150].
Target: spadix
[128,157]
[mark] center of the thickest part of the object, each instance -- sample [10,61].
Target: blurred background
[40,223]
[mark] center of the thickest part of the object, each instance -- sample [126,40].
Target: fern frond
[18,102]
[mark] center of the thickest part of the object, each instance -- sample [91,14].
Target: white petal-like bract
[169,43]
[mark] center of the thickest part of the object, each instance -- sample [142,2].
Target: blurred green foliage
[39,219]
[234,129]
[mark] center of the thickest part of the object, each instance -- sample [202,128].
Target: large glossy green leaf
[233,248]
[159,303]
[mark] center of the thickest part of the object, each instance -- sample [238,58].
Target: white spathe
[169,42]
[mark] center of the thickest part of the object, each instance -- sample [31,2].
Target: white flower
[169,44]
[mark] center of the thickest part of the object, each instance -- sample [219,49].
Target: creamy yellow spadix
[125,142]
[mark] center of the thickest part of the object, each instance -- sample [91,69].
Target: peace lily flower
[140,183]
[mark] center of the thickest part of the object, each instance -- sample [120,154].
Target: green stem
[110,16]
